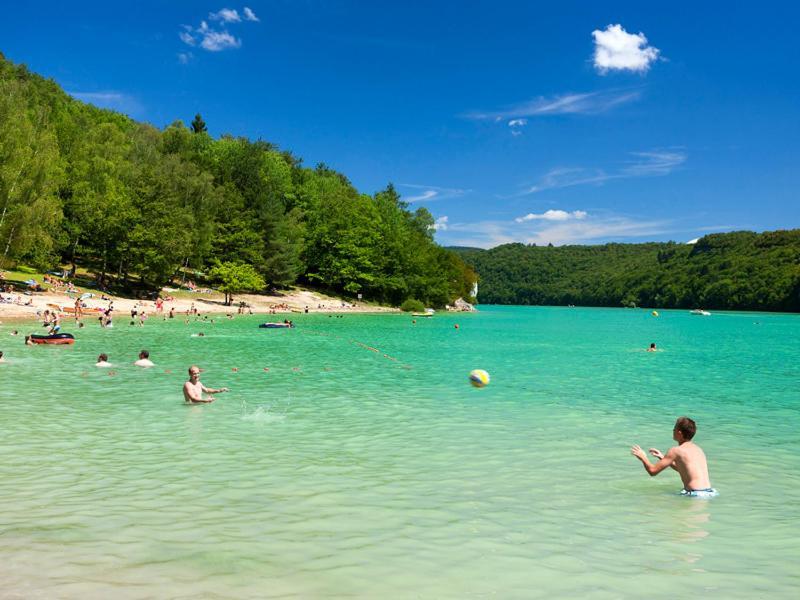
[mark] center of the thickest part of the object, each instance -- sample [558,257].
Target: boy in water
[687,458]
[193,389]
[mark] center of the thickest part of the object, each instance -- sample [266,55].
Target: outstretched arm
[212,391]
[654,469]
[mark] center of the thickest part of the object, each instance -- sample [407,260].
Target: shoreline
[292,302]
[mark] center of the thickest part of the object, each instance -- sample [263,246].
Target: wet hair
[1,354]
[686,426]
[102,358]
[144,354]
[653,345]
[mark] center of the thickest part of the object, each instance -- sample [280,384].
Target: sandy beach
[293,301]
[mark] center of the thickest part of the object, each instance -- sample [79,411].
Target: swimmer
[652,348]
[144,360]
[687,458]
[15,332]
[193,390]
[2,360]
[102,361]
[29,340]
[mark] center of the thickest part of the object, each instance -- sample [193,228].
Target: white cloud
[516,132]
[601,229]
[553,215]
[214,41]
[585,103]
[692,242]
[185,57]
[518,122]
[426,195]
[616,49]
[440,224]
[226,15]
[591,229]
[644,164]
[186,36]
[655,162]
[430,192]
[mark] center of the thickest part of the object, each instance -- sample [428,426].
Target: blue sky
[509,121]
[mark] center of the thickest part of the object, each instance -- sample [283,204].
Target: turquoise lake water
[348,472]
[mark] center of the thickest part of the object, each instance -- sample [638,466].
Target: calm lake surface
[348,472]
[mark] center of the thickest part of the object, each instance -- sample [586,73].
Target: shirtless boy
[193,389]
[687,458]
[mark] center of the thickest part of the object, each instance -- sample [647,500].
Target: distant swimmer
[102,361]
[652,348]
[2,360]
[687,458]
[144,360]
[193,390]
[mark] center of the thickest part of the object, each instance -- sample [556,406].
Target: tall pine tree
[198,125]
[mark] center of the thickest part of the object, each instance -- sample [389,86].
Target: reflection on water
[693,526]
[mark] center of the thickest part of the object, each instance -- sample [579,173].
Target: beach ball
[479,378]
[654,313]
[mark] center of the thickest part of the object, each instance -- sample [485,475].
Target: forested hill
[739,270]
[135,204]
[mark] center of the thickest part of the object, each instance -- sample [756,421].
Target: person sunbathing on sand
[193,389]
[687,458]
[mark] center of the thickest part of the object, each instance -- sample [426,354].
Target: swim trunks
[704,493]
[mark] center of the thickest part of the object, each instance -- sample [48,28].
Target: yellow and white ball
[479,378]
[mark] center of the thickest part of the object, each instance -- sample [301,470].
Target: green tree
[236,278]
[198,125]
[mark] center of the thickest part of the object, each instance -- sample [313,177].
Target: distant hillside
[739,270]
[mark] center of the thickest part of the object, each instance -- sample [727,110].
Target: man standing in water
[687,458]
[193,389]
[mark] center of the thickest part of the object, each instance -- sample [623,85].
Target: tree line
[740,270]
[86,186]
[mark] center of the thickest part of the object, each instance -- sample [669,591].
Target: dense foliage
[739,270]
[81,184]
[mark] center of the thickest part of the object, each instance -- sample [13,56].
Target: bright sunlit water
[363,464]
